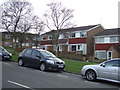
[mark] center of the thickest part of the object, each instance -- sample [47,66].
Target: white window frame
[71,34]
[101,51]
[7,36]
[117,40]
[49,37]
[7,43]
[108,55]
[81,48]
[27,44]
[60,47]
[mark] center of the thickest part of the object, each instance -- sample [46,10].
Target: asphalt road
[14,76]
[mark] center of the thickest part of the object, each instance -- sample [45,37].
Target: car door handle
[115,70]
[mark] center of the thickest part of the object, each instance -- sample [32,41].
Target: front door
[109,55]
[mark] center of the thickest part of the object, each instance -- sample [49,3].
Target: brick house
[73,40]
[107,44]
[26,42]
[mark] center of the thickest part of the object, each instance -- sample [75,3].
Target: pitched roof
[82,28]
[114,31]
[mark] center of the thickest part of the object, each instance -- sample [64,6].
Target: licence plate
[6,56]
[60,66]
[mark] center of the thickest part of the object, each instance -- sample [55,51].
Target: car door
[109,70]
[27,56]
[35,60]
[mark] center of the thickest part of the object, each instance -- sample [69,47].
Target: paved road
[15,76]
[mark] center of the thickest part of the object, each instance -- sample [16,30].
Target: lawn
[14,54]
[76,66]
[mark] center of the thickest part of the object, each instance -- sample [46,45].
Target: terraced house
[107,44]
[78,40]
[27,40]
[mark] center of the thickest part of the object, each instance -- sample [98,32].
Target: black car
[4,54]
[42,59]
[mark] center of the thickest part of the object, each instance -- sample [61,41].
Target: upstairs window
[100,40]
[50,38]
[7,36]
[63,36]
[82,34]
[45,38]
[113,39]
[72,35]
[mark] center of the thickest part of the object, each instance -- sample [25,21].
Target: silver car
[108,70]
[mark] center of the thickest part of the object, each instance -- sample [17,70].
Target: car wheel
[90,75]
[20,62]
[42,66]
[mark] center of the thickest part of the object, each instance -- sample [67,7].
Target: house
[78,40]
[107,44]
[22,40]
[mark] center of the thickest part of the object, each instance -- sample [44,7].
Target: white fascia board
[106,36]
[100,51]
[95,27]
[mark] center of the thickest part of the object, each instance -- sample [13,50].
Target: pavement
[14,76]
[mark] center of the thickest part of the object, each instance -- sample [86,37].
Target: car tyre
[42,66]
[20,62]
[90,75]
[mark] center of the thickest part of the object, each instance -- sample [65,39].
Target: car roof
[36,49]
[40,50]
[113,59]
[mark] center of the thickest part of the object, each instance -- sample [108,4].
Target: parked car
[4,54]
[42,59]
[108,70]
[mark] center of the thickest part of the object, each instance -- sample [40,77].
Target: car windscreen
[47,54]
[2,50]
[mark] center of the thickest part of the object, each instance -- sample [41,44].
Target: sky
[86,12]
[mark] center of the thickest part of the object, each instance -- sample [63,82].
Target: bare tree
[58,18]
[24,26]
[38,26]
[14,13]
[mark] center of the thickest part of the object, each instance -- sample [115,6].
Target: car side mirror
[103,65]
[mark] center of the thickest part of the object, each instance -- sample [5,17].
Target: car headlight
[10,54]
[51,62]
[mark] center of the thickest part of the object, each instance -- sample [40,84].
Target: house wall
[64,48]
[50,48]
[46,42]
[103,46]
[115,54]
[12,43]
[77,40]
[90,40]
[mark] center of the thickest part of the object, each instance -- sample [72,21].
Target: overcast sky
[87,12]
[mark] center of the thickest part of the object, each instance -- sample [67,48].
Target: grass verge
[76,66]
[14,53]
